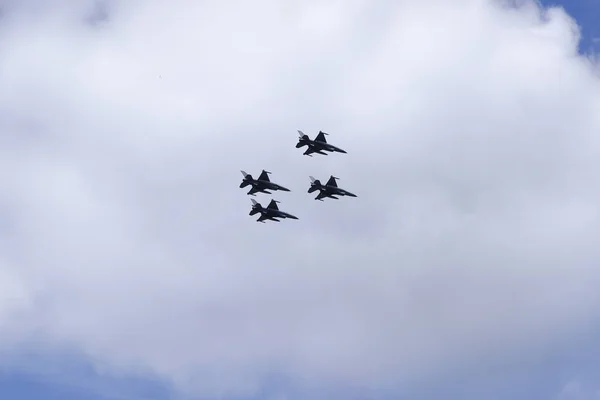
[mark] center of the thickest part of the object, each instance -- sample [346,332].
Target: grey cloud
[99,13]
[471,134]
[91,12]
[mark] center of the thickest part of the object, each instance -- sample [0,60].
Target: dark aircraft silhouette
[272,212]
[319,145]
[262,184]
[330,189]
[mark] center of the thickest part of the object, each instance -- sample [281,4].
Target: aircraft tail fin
[321,137]
[273,205]
[264,176]
[332,181]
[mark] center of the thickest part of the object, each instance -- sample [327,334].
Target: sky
[467,267]
[586,13]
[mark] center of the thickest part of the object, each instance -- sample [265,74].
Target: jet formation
[263,184]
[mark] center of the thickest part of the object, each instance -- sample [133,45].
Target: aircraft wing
[321,137]
[273,205]
[253,190]
[321,195]
[262,217]
[264,176]
[331,181]
[310,151]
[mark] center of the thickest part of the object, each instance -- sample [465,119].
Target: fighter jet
[319,145]
[272,212]
[262,184]
[330,189]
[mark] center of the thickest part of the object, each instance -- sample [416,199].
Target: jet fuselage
[269,213]
[318,147]
[260,185]
[328,191]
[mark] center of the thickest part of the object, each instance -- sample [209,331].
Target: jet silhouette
[271,212]
[330,189]
[319,145]
[262,184]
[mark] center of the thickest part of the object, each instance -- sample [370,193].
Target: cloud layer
[471,131]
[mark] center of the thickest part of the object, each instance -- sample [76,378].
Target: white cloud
[471,132]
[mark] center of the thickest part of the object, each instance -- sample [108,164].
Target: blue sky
[17,385]
[587,13]
[540,375]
